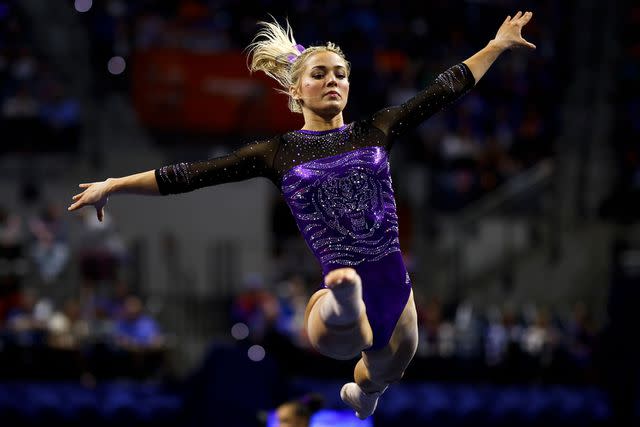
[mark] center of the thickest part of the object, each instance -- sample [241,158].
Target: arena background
[518,214]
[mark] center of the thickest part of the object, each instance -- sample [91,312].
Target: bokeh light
[116,65]
[240,331]
[256,353]
[83,5]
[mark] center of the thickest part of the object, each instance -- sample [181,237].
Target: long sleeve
[444,90]
[250,161]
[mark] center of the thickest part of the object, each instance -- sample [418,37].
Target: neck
[318,123]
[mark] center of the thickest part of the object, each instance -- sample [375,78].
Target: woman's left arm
[509,35]
[452,83]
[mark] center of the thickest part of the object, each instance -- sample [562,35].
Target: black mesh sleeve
[445,89]
[250,161]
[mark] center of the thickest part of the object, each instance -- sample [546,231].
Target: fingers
[526,18]
[523,21]
[75,206]
[78,202]
[519,18]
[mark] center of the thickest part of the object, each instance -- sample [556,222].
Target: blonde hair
[274,51]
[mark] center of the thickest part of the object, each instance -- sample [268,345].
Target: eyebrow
[324,67]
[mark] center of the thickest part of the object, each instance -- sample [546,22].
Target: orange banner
[210,93]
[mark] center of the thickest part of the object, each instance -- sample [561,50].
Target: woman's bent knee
[341,343]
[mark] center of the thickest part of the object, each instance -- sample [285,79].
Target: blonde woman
[335,178]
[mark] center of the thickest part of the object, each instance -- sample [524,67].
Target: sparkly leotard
[338,187]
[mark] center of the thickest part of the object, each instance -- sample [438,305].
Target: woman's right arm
[140,183]
[252,160]
[97,193]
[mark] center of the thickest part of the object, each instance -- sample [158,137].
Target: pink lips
[332,93]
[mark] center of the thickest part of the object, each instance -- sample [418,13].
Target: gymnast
[335,178]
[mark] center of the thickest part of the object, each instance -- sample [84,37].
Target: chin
[331,110]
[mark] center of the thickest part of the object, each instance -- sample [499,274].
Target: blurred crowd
[65,303]
[37,114]
[394,51]
[66,309]
[457,341]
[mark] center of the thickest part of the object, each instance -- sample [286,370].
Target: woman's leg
[379,368]
[335,318]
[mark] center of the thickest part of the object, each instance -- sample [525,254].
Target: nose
[332,80]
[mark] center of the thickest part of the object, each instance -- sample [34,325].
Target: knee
[394,378]
[343,344]
[339,355]
[338,351]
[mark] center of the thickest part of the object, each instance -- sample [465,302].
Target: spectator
[137,330]
[67,329]
[256,307]
[292,298]
[139,345]
[23,321]
[61,113]
[50,251]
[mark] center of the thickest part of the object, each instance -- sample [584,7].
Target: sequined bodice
[344,206]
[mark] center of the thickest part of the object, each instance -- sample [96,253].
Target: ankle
[374,391]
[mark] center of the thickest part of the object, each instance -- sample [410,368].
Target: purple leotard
[338,186]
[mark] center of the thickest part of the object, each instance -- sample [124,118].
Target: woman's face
[323,86]
[287,417]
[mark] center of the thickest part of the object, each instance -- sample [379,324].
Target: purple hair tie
[291,58]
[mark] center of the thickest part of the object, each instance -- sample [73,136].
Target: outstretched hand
[96,194]
[509,34]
